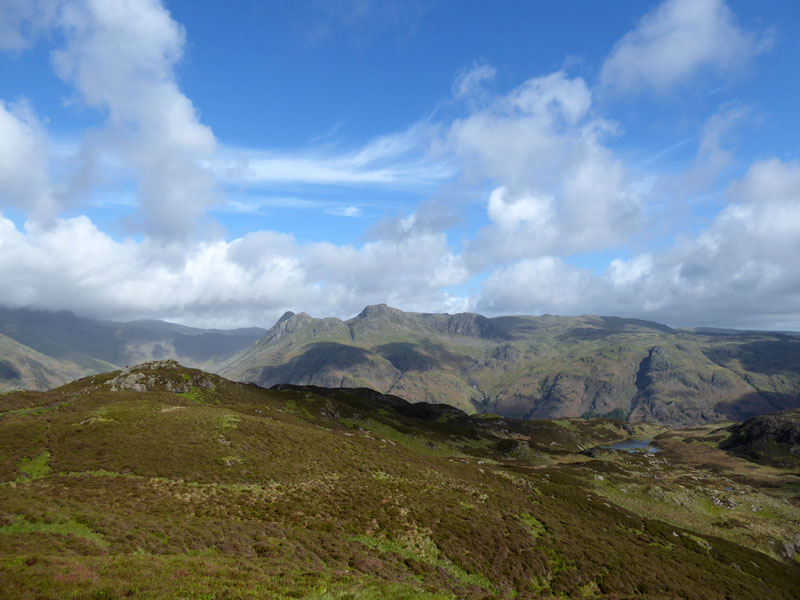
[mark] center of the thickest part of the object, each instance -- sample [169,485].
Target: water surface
[631,445]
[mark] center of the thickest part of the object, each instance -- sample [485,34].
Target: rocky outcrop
[159,375]
[770,439]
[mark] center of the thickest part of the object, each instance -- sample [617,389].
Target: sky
[217,164]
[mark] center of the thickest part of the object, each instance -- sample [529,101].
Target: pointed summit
[287,315]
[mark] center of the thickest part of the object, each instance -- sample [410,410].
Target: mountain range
[515,366]
[534,367]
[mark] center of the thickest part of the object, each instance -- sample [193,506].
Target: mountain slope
[22,367]
[531,367]
[165,482]
[43,349]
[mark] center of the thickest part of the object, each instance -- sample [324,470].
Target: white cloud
[431,217]
[714,153]
[24,170]
[743,268]
[248,281]
[525,137]
[740,271]
[470,84]
[559,188]
[678,40]
[345,211]
[536,286]
[399,160]
[528,210]
[622,273]
[121,58]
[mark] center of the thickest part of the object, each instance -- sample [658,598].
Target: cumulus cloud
[247,281]
[24,170]
[430,217]
[560,189]
[121,57]
[743,268]
[545,284]
[528,210]
[678,40]
[740,271]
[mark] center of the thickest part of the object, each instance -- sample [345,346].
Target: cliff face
[530,367]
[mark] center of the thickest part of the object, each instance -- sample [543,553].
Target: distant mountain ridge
[534,367]
[42,349]
[516,366]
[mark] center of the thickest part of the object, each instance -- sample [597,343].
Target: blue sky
[218,164]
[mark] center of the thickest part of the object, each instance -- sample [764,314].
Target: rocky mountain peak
[288,323]
[379,311]
[285,316]
[165,375]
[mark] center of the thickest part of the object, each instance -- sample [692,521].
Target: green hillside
[534,367]
[166,482]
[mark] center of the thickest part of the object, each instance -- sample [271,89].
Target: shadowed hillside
[772,439]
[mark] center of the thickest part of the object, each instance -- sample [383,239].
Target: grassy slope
[229,491]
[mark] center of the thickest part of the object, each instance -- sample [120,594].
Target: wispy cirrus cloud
[265,205]
[405,160]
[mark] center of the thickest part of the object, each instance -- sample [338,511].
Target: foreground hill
[165,482]
[772,439]
[42,349]
[534,367]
